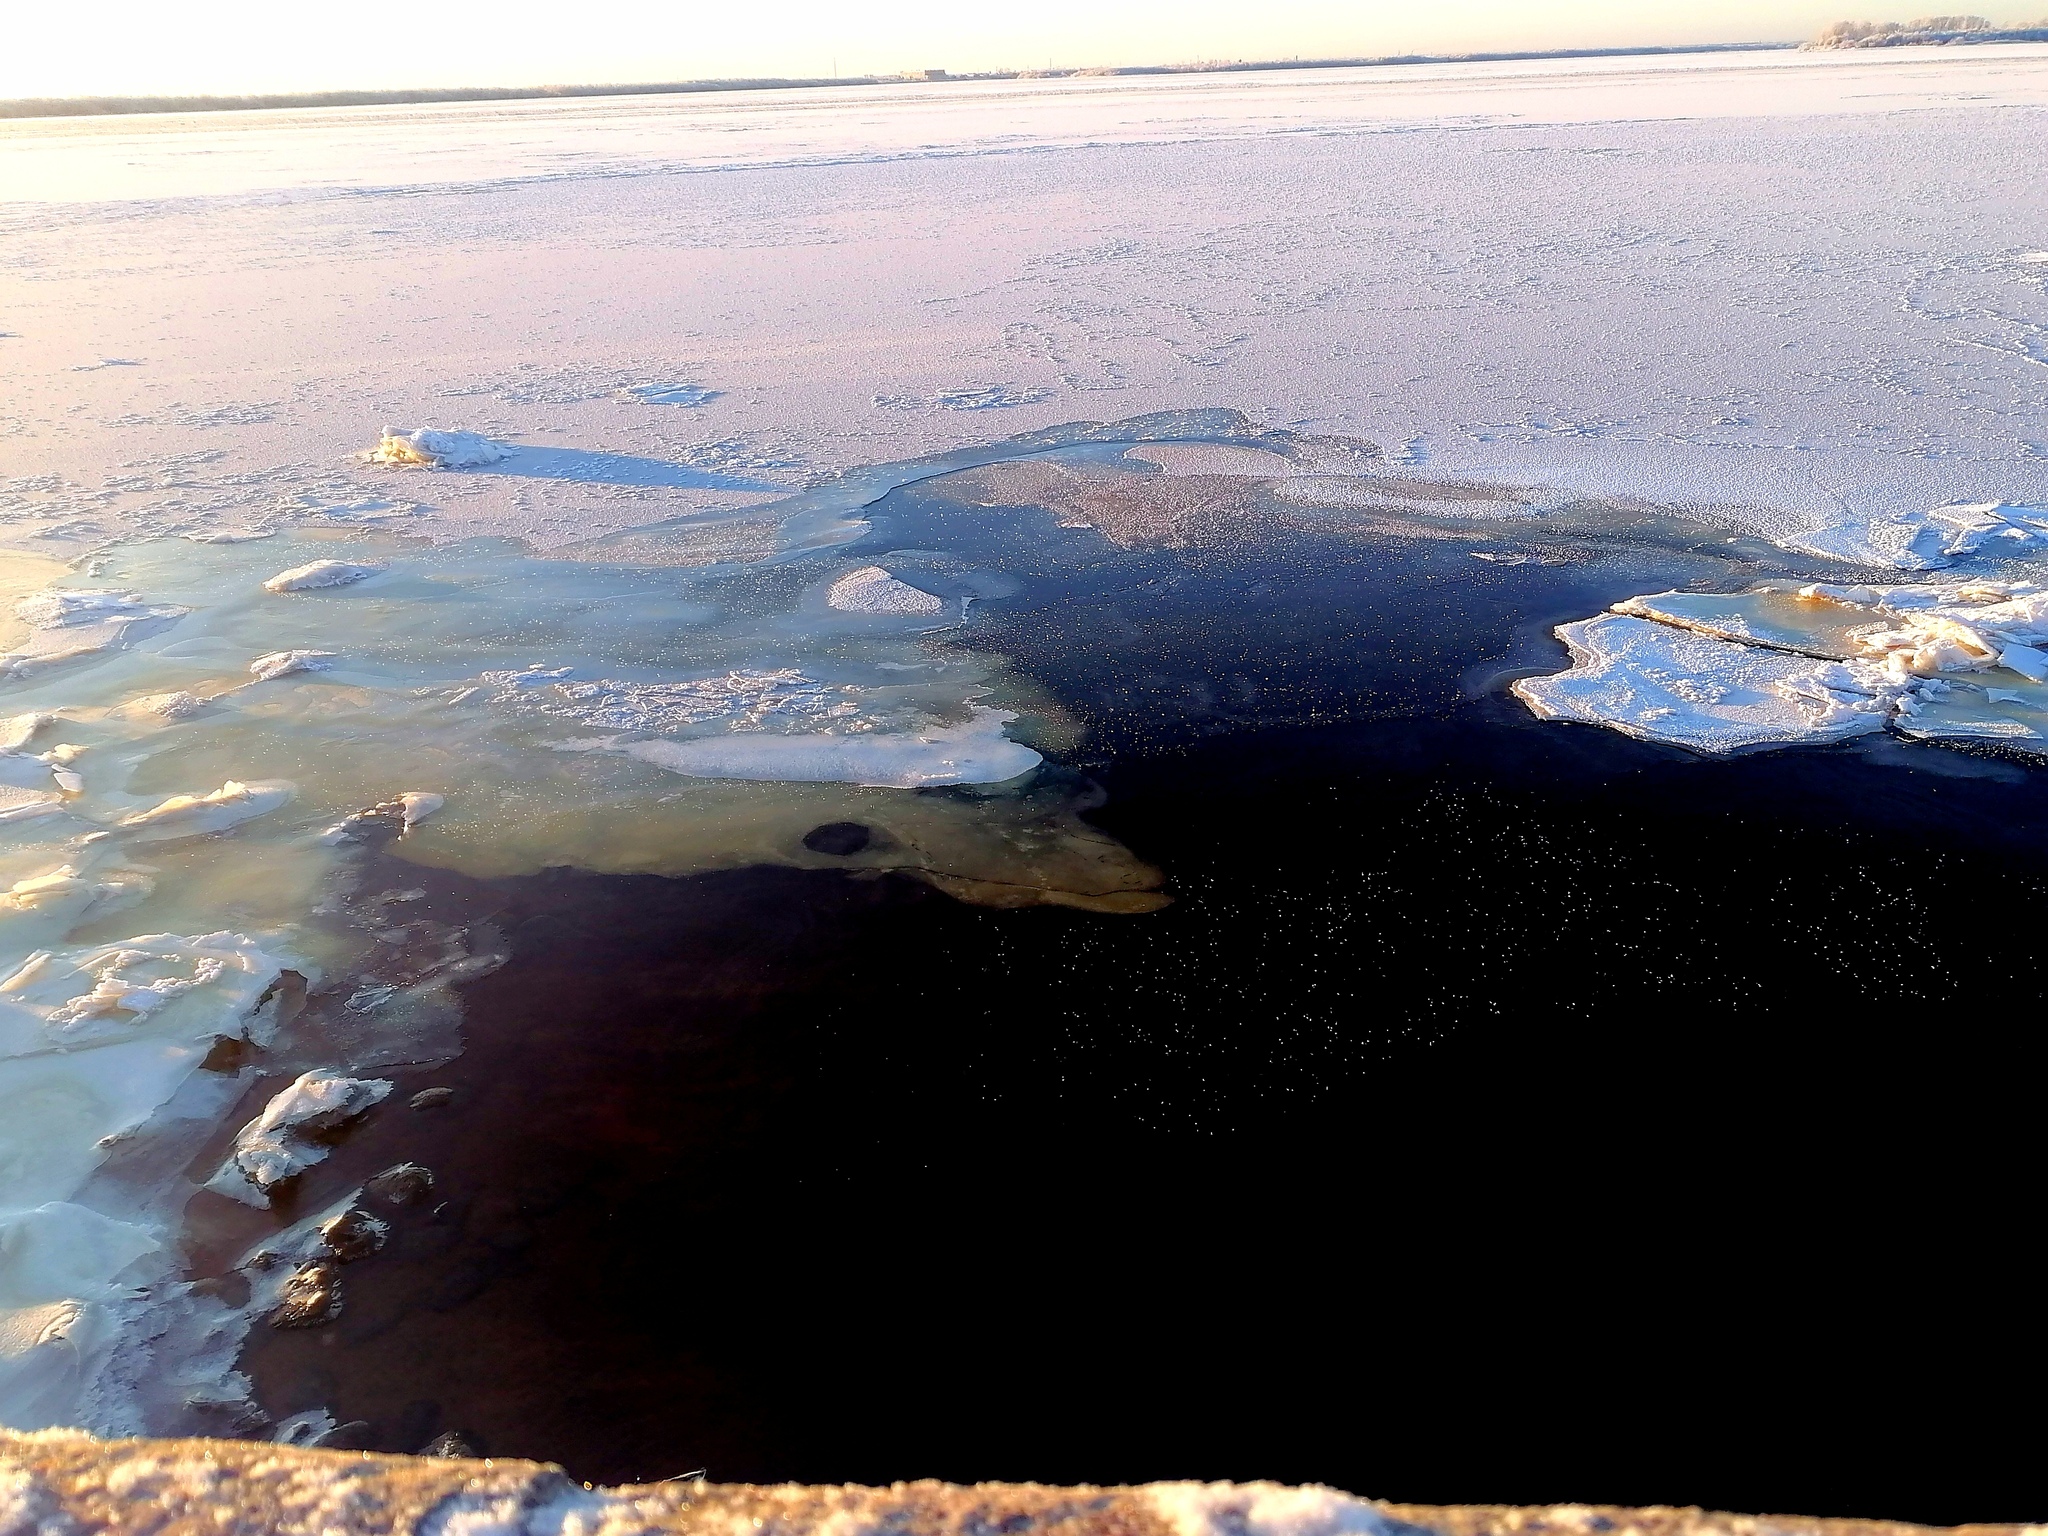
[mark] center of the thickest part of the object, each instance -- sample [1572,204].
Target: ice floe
[682,695]
[418,805]
[65,625]
[873,590]
[318,574]
[176,705]
[427,448]
[975,751]
[60,898]
[1665,684]
[27,778]
[95,1045]
[670,394]
[230,805]
[1715,671]
[1930,540]
[749,698]
[230,535]
[277,1144]
[284,663]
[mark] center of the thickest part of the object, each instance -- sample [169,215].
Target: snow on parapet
[1264,1509]
[320,573]
[427,448]
[275,1147]
[873,590]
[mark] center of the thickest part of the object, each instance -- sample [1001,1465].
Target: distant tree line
[99,106]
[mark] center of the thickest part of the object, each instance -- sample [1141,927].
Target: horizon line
[28,107]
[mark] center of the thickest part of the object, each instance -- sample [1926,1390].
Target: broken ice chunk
[2015,715]
[1675,686]
[64,625]
[1921,541]
[2029,661]
[275,1146]
[284,663]
[426,448]
[1761,616]
[230,805]
[65,896]
[18,731]
[166,706]
[320,573]
[419,805]
[873,590]
[230,535]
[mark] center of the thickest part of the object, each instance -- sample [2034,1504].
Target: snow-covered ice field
[1809,284]
[1796,299]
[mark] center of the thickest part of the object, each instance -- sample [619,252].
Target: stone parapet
[60,1483]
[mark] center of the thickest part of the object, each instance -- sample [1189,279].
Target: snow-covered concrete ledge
[58,1481]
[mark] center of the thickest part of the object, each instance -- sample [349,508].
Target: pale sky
[154,47]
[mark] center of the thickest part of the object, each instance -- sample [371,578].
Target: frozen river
[608,698]
[1804,283]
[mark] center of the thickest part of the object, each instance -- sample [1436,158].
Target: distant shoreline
[108,106]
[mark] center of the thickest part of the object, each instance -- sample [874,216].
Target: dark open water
[1500,1113]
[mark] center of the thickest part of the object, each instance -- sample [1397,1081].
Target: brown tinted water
[1498,1114]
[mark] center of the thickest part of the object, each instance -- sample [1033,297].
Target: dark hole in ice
[760,1201]
[839,838]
